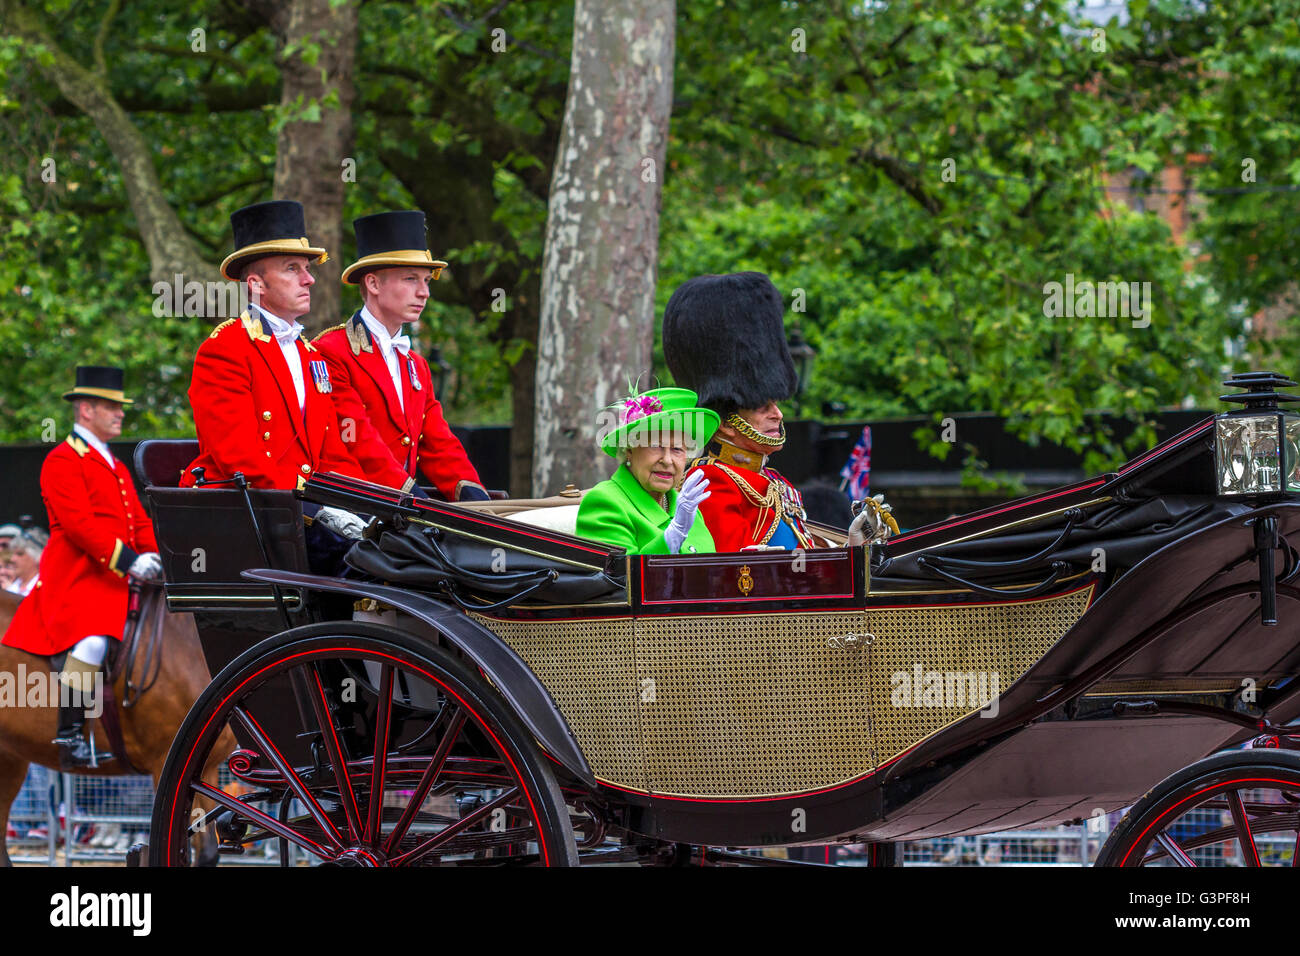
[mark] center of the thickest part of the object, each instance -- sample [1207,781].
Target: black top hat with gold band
[98,381]
[388,239]
[724,338]
[275,228]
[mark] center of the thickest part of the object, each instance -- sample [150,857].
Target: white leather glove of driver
[874,516]
[343,523]
[146,567]
[694,490]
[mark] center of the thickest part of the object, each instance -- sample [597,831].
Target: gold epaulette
[701,461]
[332,328]
[217,330]
[358,336]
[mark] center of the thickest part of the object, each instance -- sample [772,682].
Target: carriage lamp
[1257,446]
[1257,454]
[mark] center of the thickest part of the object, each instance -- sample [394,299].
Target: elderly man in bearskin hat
[383,390]
[99,537]
[724,338]
[261,394]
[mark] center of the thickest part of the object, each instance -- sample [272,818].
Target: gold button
[406,439]
[266,436]
[306,469]
[266,416]
[268,454]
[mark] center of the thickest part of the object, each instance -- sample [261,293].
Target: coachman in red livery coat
[261,395]
[388,414]
[247,415]
[99,534]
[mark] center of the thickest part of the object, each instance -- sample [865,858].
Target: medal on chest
[320,374]
[791,501]
[415,379]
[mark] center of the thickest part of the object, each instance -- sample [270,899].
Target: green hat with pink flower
[652,418]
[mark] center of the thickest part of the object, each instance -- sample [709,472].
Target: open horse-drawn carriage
[489,689]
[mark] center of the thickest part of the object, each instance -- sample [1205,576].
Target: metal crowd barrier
[34,818]
[62,819]
[104,816]
[1059,846]
[65,819]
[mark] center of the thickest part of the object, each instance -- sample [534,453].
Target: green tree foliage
[921,171]
[1227,76]
[453,114]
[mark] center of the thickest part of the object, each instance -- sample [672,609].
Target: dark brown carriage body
[780,698]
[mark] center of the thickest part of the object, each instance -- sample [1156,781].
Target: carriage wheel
[1234,809]
[433,769]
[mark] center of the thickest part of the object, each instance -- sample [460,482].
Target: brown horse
[148,727]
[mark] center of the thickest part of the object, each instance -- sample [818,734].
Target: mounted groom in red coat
[99,536]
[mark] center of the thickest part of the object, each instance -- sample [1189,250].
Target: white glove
[343,523]
[874,516]
[146,567]
[694,490]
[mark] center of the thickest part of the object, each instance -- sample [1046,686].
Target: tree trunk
[313,160]
[523,386]
[602,232]
[170,249]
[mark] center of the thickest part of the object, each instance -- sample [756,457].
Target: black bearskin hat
[724,338]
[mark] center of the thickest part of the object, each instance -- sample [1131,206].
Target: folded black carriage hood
[1153,500]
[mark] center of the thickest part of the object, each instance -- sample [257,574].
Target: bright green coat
[622,513]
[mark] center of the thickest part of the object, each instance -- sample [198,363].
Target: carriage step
[135,855]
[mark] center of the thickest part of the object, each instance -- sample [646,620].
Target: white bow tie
[401,342]
[288,335]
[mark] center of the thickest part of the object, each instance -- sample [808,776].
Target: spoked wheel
[419,764]
[1235,809]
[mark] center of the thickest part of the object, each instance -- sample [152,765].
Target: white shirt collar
[279,327]
[93,441]
[378,331]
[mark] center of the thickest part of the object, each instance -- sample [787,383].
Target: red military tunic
[390,440]
[747,507]
[97,528]
[247,416]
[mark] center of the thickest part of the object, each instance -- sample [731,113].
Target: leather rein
[145,607]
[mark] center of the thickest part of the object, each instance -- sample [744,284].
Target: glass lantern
[1257,448]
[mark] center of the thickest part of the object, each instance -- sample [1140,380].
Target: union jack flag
[857,470]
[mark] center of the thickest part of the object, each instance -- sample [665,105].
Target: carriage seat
[563,518]
[205,535]
[555,513]
[161,462]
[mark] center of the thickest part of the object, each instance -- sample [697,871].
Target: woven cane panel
[985,640]
[588,668]
[761,704]
[748,705]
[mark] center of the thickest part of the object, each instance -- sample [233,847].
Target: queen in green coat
[640,508]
